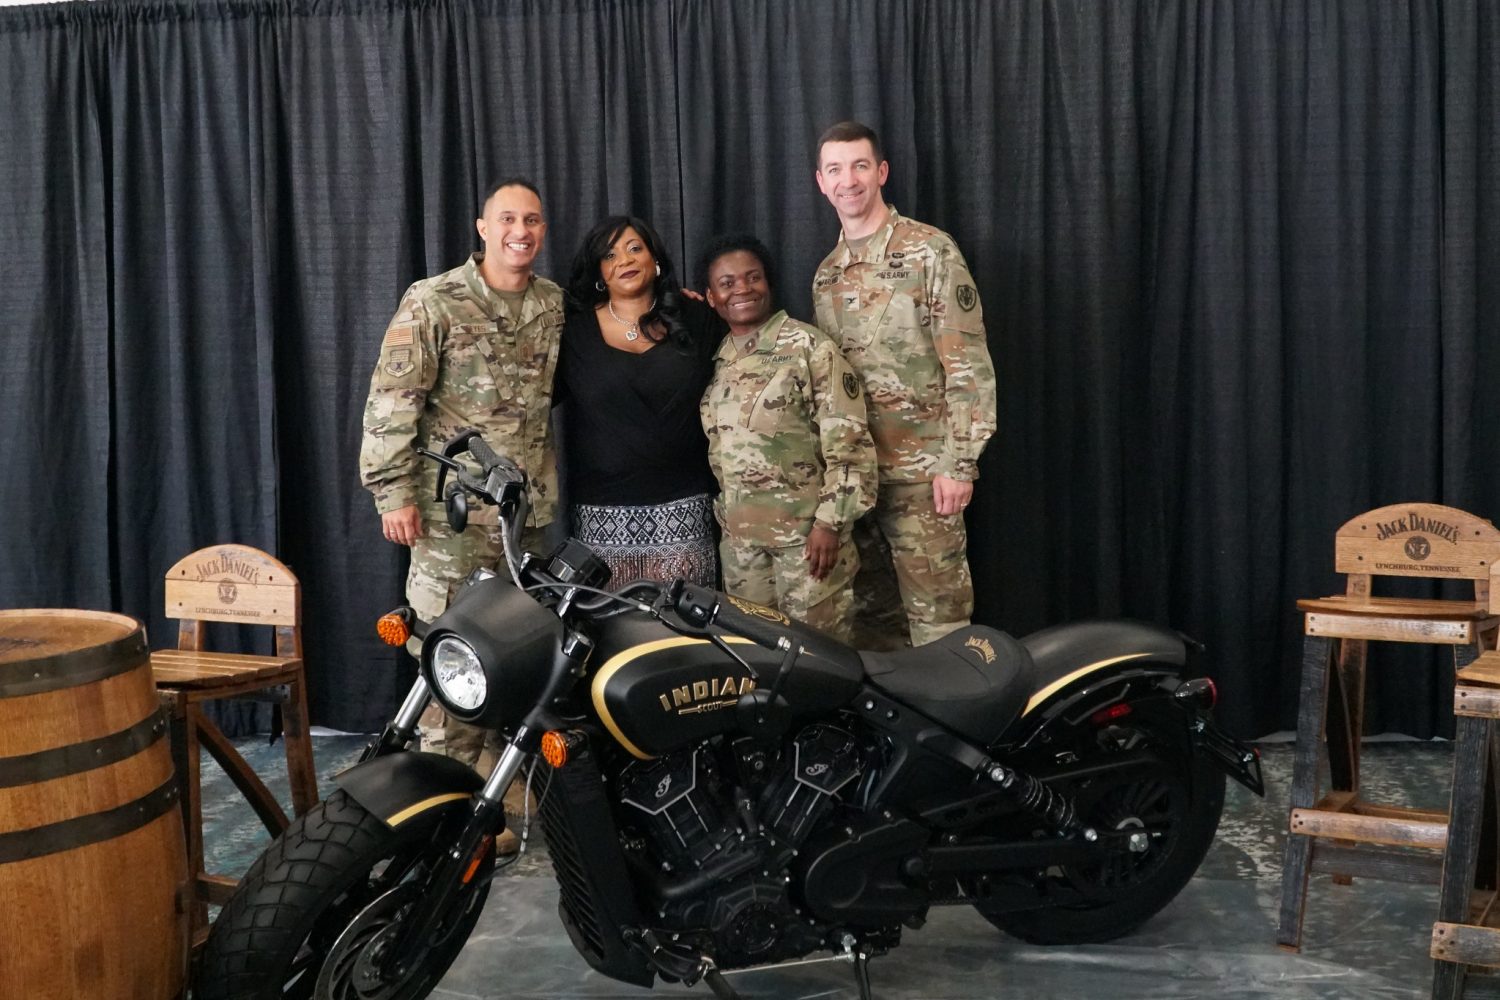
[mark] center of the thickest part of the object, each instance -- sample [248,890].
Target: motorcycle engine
[721,823]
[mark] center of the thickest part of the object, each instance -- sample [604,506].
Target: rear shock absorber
[1041,800]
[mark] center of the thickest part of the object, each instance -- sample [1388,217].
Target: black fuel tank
[657,691]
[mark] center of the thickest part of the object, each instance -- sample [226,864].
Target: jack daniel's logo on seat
[705,696]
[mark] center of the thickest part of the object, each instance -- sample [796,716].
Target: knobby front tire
[271,939]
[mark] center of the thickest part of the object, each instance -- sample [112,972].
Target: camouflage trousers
[913,584]
[778,577]
[440,562]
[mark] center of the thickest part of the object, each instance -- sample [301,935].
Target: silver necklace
[632,330]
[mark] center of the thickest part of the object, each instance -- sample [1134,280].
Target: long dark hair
[584,292]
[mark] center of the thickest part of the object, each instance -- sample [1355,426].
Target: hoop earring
[658,270]
[598,286]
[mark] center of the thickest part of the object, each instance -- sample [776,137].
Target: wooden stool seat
[1336,832]
[243,585]
[1467,929]
[1397,607]
[185,668]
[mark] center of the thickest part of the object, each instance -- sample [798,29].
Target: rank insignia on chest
[398,361]
[851,300]
[851,385]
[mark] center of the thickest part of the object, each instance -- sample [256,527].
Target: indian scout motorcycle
[723,788]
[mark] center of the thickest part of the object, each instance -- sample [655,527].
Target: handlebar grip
[482,451]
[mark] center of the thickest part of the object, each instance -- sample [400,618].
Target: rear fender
[1076,702]
[401,786]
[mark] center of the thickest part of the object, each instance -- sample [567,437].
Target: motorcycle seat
[975,680]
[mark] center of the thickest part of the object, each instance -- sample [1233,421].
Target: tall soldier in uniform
[472,348]
[789,443]
[897,296]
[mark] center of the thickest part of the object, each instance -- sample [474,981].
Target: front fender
[400,786]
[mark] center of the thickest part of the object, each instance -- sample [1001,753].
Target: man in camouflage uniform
[472,348]
[898,297]
[789,443]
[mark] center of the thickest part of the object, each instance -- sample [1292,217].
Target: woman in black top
[635,359]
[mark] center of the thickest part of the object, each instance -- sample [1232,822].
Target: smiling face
[850,178]
[628,267]
[739,291]
[512,228]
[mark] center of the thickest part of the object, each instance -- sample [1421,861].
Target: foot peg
[674,960]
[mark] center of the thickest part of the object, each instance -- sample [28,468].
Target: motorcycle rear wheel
[275,934]
[1182,801]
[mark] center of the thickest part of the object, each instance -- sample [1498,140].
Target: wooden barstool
[243,585]
[1467,930]
[1338,832]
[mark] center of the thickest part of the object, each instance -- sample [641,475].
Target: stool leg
[1465,812]
[1312,703]
[1346,716]
[301,774]
[188,762]
[1346,722]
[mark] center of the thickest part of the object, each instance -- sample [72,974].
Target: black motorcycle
[722,788]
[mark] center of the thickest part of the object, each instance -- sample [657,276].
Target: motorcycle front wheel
[311,916]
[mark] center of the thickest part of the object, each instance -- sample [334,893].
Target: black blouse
[632,435]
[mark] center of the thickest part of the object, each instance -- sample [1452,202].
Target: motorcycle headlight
[457,675]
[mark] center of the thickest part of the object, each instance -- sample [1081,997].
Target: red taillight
[1105,716]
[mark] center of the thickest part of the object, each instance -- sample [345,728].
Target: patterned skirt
[658,542]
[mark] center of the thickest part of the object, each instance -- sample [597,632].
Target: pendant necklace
[632,330]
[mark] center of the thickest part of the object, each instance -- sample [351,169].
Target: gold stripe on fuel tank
[1058,685]
[626,656]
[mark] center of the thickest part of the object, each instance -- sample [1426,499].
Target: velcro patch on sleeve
[398,336]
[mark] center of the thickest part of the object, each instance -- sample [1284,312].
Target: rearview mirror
[457,506]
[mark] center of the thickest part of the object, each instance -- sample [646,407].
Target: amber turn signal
[393,629]
[554,748]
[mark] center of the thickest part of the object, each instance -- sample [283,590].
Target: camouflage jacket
[454,358]
[906,313]
[787,436]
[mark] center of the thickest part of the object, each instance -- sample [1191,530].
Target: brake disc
[354,969]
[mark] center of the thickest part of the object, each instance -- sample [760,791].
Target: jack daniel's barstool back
[1335,831]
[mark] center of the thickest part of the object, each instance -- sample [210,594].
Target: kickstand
[862,974]
[719,984]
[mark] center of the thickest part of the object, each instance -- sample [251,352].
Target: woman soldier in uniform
[788,442]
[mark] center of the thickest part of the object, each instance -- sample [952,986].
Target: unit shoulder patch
[398,362]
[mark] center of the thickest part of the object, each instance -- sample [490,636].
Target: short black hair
[732,243]
[505,182]
[850,131]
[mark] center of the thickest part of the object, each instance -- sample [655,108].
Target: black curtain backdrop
[1239,263]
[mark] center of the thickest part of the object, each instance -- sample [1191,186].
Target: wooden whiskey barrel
[92,859]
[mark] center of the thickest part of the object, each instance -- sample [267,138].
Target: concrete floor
[1368,940]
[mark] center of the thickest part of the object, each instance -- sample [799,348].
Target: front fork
[454,870]
[402,729]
